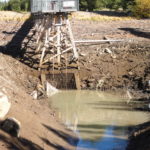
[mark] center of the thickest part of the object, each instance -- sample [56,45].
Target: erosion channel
[102,121]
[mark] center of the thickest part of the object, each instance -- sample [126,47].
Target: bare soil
[120,65]
[40,129]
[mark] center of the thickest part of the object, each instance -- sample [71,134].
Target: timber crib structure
[55,39]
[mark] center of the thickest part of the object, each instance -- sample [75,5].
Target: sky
[4,0]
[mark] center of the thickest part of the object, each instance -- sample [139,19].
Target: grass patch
[97,17]
[13,16]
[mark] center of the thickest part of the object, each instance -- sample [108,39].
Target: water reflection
[105,143]
[101,120]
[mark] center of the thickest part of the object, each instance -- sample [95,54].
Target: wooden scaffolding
[56,45]
[55,42]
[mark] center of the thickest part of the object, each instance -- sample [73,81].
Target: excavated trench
[105,67]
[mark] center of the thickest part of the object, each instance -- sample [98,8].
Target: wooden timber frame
[55,45]
[55,40]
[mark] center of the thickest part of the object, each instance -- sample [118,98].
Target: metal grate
[62,81]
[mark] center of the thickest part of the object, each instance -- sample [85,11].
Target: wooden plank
[58,71]
[51,58]
[44,49]
[77,80]
[43,79]
[72,39]
[97,41]
[58,44]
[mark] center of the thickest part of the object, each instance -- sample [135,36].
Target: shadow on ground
[66,137]
[111,13]
[56,146]
[14,47]
[19,143]
[137,32]
[17,47]
[25,144]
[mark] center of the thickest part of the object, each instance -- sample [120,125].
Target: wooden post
[77,80]
[72,39]
[44,49]
[98,41]
[58,43]
[43,80]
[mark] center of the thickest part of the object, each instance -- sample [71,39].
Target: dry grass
[13,16]
[97,17]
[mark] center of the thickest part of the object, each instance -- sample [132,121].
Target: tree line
[139,8]
[92,5]
[15,5]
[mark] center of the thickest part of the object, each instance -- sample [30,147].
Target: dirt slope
[39,126]
[122,65]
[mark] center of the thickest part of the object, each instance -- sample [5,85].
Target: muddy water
[100,120]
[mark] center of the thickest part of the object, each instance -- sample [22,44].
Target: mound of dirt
[116,66]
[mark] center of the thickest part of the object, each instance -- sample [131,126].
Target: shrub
[83,5]
[141,9]
[15,5]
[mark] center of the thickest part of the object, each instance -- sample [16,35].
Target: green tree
[25,5]
[99,4]
[17,5]
[83,5]
[127,4]
[91,4]
[14,5]
[141,8]
[3,5]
